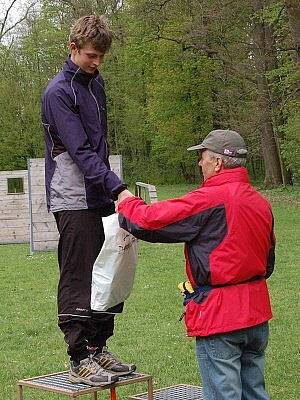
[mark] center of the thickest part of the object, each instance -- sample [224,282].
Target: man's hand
[122,196]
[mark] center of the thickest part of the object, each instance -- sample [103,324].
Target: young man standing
[81,189]
[227,228]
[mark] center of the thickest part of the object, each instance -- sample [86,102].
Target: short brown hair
[94,30]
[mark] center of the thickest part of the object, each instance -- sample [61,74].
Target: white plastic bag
[114,268]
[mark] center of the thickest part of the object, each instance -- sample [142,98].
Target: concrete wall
[14,210]
[43,231]
[24,216]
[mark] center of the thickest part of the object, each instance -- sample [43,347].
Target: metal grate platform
[59,383]
[178,392]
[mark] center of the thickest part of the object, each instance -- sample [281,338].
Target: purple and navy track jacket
[77,170]
[227,228]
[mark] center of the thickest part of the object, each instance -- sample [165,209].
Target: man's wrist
[124,194]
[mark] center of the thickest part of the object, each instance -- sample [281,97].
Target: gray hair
[228,162]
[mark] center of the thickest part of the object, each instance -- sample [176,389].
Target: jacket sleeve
[271,255]
[169,221]
[67,123]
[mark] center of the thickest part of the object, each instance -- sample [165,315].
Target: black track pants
[81,238]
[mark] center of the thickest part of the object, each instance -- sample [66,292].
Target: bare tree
[11,18]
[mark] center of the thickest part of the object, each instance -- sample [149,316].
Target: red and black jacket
[227,228]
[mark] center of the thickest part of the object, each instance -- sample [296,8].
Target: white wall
[14,210]
[24,216]
[43,231]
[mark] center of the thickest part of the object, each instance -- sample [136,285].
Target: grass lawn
[148,332]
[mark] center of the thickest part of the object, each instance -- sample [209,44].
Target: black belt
[254,278]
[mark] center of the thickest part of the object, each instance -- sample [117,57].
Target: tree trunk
[263,60]
[293,12]
[273,175]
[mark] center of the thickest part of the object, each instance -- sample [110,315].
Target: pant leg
[102,326]
[75,333]
[81,239]
[219,363]
[253,362]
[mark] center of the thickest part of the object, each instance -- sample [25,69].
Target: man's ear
[219,164]
[72,46]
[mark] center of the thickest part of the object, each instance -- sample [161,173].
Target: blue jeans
[232,364]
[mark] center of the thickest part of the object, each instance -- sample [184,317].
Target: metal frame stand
[177,392]
[59,383]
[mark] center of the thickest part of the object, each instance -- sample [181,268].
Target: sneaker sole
[122,373]
[78,379]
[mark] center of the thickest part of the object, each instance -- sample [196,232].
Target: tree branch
[278,16]
[208,51]
[3,30]
[156,7]
[5,18]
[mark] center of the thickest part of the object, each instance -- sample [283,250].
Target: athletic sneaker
[110,363]
[90,373]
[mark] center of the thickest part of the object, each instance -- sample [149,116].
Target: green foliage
[27,66]
[271,12]
[175,71]
[291,143]
[180,109]
[126,72]
[153,89]
[285,85]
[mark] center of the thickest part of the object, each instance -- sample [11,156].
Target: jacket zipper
[98,109]
[93,96]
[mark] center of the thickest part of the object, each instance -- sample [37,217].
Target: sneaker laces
[107,359]
[94,366]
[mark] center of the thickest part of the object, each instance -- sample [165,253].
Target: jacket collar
[239,174]
[72,71]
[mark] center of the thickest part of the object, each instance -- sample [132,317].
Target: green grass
[148,332]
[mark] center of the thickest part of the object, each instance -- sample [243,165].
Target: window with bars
[15,185]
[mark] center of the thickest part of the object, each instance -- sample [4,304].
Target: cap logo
[228,152]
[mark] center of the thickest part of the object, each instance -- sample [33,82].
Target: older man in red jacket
[227,228]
